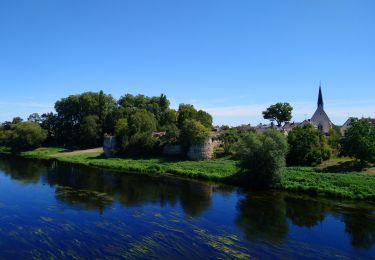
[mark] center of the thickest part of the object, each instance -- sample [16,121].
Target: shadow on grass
[345,167]
[135,157]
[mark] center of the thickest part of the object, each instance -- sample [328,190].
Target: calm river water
[63,211]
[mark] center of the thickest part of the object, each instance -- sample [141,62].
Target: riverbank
[316,181]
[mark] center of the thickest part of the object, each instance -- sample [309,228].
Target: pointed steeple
[320,98]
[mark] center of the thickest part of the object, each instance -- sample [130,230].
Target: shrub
[307,146]
[262,158]
[25,136]
[359,141]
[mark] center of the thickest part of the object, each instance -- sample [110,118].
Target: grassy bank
[317,181]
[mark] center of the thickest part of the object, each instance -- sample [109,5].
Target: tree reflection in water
[265,215]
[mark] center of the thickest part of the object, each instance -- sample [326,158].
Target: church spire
[320,98]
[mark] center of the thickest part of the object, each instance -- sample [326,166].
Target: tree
[90,131]
[17,120]
[121,132]
[205,118]
[307,146]
[35,118]
[138,136]
[73,109]
[262,158]
[50,124]
[229,138]
[185,112]
[280,112]
[193,132]
[155,105]
[26,136]
[359,141]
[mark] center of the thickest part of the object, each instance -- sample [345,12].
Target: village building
[320,120]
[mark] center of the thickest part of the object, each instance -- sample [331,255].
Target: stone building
[320,118]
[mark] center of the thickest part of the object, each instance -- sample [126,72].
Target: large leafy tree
[90,131]
[155,105]
[262,157]
[73,109]
[280,112]
[307,146]
[186,111]
[359,141]
[135,134]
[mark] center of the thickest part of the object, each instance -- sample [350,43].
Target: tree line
[80,121]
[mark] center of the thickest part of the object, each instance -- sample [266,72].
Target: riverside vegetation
[244,157]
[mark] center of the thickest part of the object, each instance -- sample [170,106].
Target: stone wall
[109,145]
[201,151]
[172,150]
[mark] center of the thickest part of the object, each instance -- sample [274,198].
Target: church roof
[320,98]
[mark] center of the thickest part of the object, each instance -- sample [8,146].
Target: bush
[307,146]
[359,141]
[25,136]
[262,158]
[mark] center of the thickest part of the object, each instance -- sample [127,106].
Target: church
[320,118]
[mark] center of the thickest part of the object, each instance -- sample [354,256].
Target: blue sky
[231,57]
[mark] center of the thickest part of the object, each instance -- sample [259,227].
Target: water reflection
[262,216]
[265,216]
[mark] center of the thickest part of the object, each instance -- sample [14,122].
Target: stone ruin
[201,151]
[196,151]
[109,145]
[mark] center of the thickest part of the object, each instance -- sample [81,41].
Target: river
[51,209]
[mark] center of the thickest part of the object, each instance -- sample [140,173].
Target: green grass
[219,169]
[43,153]
[316,181]
[355,185]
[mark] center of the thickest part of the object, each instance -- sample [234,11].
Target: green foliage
[229,138]
[35,118]
[134,136]
[172,133]
[82,120]
[90,131]
[186,112]
[262,157]
[155,105]
[205,118]
[280,112]
[334,138]
[72,110]
[193,132]
[168,117]
[307,146]
[359,141]
[218,170]
[340,185]
[122,133]
[23,136]
[142,121]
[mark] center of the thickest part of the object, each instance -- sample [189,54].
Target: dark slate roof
[320,98]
